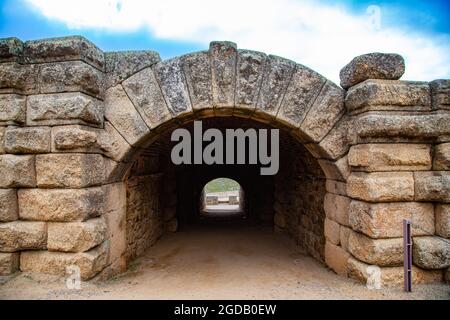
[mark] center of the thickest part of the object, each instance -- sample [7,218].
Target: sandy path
[216,262]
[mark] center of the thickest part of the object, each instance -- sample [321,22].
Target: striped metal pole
[407,255]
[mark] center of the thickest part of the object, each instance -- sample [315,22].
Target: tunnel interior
[163,197]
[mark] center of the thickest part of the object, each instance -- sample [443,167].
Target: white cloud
[323,37]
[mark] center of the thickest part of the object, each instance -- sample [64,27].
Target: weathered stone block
[388,127]
[331,231]
[390,157]
[440,94]
[431,252]
[74,170]
[385,220]
[250,70]
[301,93]
[441,159]
[22,235]
[344,235]
[279,220]
[75,236]
[12,109]
[277,74]
[326,110]
[197,69]
[8,205]
[71,76]
[90,262]
[61,205]
[27,140]
[121,113]
[75,138]
[380,252]
[381,186]
[170,76]
[18,78]
[63,49]
[113,144]
[143,90]
[169,213]
[336,208]
[442,220]
[374,95]
[64,108]
[223,57]
[17,171]
[432,186]
[336,143]
[9,263]
[171,225]
[376,65]
[336,258]
[391,276]
[336,187]
[11,50]
[123,64]
[336,170]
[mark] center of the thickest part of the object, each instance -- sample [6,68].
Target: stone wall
[299,196]
[74,120]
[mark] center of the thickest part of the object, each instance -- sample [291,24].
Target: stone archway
[75,121]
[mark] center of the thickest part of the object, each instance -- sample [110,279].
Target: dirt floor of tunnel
[216,259]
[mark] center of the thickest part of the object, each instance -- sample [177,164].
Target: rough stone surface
[197,69]
[113,143]
[75,236]
[301,93]
[432,186]
[9,209]
[11,49]
[74,170]
[336,187]
[63,49]
[440,94]
[121,113]
[27,140]
[336,208]
[170,76]
[390,157]
[123,64]
[17,171]
[381,186]
[441,160]
[442,219]
[22,235]
[75,138]
[431,252]
[336,258]
[389,127]
[12,109]
[2,136]
[380,252]
[9,263]
[144,92]
[390,66]
[250,71]
[331,231]
[344,235]
[277,74]
[90,262]
[385,220]
[18,78]
[324,112]
[335,170]
[391,276]
[388,95]
[64,108]
[60,205]
[72,76]
[223,70]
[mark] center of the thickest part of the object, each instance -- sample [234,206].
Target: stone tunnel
[86,177]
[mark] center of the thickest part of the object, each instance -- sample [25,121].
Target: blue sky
[324,35]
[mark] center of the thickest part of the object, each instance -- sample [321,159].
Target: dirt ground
[219,261]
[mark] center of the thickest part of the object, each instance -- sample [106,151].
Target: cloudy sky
[324,35]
